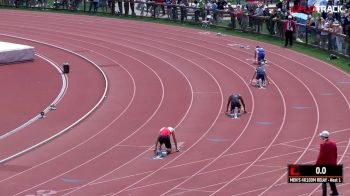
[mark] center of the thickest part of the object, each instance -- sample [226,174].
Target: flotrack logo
[316,8]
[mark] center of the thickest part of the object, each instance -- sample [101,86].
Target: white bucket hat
[324,134]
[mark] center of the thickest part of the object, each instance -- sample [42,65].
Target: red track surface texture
[161,76]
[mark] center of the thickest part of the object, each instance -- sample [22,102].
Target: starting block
[263,62]
[52,107]
[254,82]
[160,154]
[234,115]
[244,46]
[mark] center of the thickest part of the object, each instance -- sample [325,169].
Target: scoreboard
[315,173]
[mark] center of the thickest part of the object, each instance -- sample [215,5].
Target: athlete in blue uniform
[260,74]
[235,101]
[259,54]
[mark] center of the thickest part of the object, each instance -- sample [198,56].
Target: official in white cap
[327,156]
[288,30]
[164,138]
[324,134]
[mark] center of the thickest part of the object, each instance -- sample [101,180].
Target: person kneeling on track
[235,101]
[261,77]
[164,138]
[259,54]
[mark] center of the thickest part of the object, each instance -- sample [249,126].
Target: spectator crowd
[326,30]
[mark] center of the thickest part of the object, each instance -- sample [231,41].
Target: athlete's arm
[228,103]
[255,53]
[155,147]
[240,98]
[175,142]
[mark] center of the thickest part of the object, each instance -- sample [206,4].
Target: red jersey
[328,153]
[166,131]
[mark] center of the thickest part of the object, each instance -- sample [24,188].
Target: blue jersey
[260,70]
[260,52]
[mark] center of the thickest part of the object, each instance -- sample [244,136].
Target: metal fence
[170,10]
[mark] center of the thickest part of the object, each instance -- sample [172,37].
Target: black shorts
[235,105]
[260,76]
[164,140]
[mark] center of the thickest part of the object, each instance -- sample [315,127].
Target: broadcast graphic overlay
[315,173]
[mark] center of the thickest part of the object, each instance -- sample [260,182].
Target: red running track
[20,93]
[170,76]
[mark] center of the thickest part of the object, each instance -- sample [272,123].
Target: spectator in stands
[324,15]
[324,33]
[332,39]
[103,5]
[338,39]
[257,17]
[231,10]
[208,6]
[244,19]
[174,10]
[126,7]
[237,13]
[157,7]
[230,7]
[288,30]
[319,27]
[279,5]
[284,6]
[271,22]
[279,20]
[195,6]
[343,21]
[183,9]
[120,7]
[329,17]
[310,21]
[221,4]
[169,9]
[163,7]
[259,11]
[202,9]
[346,21]
[214,7]
[142,7]
[75,4]
[348,38]
[288,2]
[267,16]
[132,7]
[94,5]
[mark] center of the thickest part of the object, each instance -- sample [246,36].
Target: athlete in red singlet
[164,138]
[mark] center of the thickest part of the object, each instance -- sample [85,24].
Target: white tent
[10,52]
[317,2]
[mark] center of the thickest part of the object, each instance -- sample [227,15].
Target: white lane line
[60,95]
[76,122]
